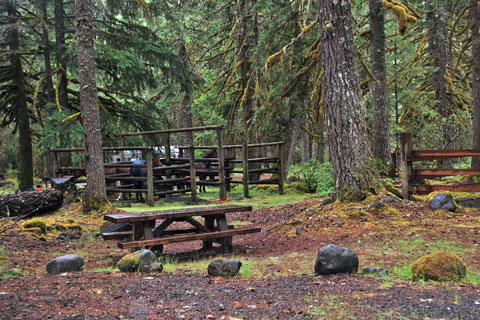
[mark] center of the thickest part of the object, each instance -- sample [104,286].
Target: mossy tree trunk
[25,154]
[95,193]
[352,158]
[380,121]
[475,12]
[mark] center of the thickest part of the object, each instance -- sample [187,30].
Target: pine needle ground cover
[276,279]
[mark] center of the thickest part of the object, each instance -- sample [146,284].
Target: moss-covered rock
[36,223]
[135,262]
[390,188]
[439,266]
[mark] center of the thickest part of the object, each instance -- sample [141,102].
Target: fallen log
[30,203]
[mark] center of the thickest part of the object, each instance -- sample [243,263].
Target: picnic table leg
[226,243]
[209,224]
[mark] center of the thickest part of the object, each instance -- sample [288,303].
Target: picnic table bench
[144,232]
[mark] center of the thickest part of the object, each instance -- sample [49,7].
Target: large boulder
[224,268]
[68,263]
[333,259]
[439,266]
[442,201]
[139,261]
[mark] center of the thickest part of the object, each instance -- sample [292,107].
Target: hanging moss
[274,59]
[401,11]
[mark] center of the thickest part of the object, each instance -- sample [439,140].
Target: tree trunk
[30,203]
[439,57]
[245,67]
[353,162]
[61,65]
[25,154]
[95,194]
[46,54]
[381,128]
[186,107]
[475,12]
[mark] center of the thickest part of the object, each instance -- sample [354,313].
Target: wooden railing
[413,178]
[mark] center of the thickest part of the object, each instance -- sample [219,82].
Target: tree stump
[30,202]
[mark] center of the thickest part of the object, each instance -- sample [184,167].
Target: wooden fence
[175,174]
[413,179]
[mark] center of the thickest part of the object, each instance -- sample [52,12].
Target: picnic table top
[176,213]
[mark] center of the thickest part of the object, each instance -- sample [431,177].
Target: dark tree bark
[95,194]
[439,56]
[245,67]
[186,107]
[46,54]
[352,158]
[60,43]
[380,126]
[475,12]
[25,154]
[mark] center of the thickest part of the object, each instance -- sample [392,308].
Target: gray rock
[139,261]
[146,256]
[224,268]
[369,269]
[333,259]
[377,205]
[157,267]
[390,199]
[298,232]
[382,272]
[310,212]
[443,201]
[68,263]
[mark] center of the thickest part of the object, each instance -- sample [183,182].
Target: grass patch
[240,223]
[258,199]
[102,270]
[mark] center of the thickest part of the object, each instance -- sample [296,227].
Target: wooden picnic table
[146,233]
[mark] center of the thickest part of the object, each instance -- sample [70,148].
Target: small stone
[333,259]
[67,263]
[224,268]
[157,267]
[390,199]
[298,232]
[310,212]
[377,205]
[382,272]
[443,201]
[369,269]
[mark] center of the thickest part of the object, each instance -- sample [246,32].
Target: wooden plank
[238,146]
[221,165]
[193,174]
[406,163]
[141,133]
[149,164]
[423,155]
[161,228]
[246,191]
[266,160]
[163,193]
[433,173]
[199,227]
[178,213]
[426,189]
[193,237]
[128,234]
[125,178]
[126,190]
[124,165]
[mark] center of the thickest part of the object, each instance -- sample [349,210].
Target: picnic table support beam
[406,163]
[150,177]
[209,224]
[221,164]
[226,243]
[245,169]
[281,169]
[193,174]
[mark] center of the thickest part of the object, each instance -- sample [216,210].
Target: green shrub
[316,177]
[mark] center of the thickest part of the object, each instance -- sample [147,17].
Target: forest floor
[276,280]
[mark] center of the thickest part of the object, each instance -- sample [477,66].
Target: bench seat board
[190,237]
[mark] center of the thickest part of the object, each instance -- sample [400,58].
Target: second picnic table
[145,232]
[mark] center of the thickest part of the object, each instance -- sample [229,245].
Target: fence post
[168,154]
[122,152]
[150,177]
[245,169]
[55,163]
[221,164]
[193,174]
[406,163]
[281,169]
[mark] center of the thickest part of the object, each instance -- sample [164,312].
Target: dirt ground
[277,281]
